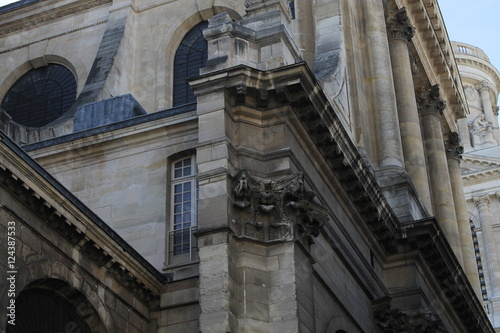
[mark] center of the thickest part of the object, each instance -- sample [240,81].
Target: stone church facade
[233,166]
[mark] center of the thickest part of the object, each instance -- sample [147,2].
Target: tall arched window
[189,58]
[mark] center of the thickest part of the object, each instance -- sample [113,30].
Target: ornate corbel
[276,210]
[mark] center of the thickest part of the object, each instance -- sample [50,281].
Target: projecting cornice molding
[59,209]
[480,64]
[434,50]
[50,15]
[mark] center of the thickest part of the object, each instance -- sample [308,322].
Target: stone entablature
[53,14]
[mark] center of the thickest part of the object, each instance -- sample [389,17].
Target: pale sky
[475,23]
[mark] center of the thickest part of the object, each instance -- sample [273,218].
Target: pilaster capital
[399,26]
[429,101]
[454,149]
[484,86]
[482,200]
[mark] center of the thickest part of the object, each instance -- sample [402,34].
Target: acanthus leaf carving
[280,210]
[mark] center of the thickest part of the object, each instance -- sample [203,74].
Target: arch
[41,95]
[169,45]
[191,55]
[58,278]
[50,306]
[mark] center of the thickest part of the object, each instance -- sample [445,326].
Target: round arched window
[43,311]
[41,95]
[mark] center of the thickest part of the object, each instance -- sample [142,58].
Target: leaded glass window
[41,95]
[189,58]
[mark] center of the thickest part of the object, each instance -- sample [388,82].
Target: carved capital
[276,210]
[399,26]
[453,147]
[484,86]
[429,101]
[481,200]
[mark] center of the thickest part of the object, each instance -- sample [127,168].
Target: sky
[475,23]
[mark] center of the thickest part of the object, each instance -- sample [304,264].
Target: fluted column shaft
[431,107]
[454,153]
[400,32]
[389,151]
[486,220]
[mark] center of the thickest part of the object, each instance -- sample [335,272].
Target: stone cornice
[426,236]
[52,37]
[435,52]
[56,13]
[480,177]
[76,223]
[482,65]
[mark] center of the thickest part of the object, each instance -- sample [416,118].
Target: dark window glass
[189,58]
[41,311]
[41,96]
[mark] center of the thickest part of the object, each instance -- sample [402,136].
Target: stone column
[454,154]
[484,91]
[431,108]
[486,219]
[400,32]
[390,153]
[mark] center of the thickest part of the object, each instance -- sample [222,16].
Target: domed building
[479,134]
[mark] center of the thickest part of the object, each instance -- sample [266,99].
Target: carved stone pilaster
[276,210]
[399,26]
[482,200]
[429,101]
[453,147]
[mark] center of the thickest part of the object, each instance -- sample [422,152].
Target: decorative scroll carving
[483,86]
[399,26]
[453,148]
[389,320]
[279,210]
[482,200]
[429,101]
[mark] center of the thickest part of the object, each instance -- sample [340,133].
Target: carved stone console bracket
[388,319]
[276,210]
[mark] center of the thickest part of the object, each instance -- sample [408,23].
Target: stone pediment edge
[77,223]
